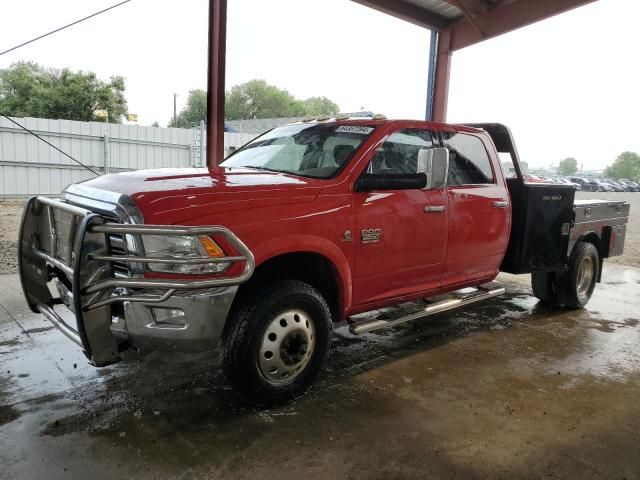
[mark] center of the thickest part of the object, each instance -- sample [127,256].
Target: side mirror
[391,181]
[434,163]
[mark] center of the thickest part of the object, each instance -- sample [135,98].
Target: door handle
[500,204]
[434,208]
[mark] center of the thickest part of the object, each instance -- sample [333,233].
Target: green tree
[320,106]
[627,165]
[568,166]
[30,90]
[258,99]
[194,111]
[253,99]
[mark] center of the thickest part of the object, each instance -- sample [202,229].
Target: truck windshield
[308,150]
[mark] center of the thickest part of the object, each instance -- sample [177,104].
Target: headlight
[177,247]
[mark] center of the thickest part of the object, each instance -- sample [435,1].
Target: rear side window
[469,162]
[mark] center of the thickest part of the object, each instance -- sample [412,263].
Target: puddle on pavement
[609,351]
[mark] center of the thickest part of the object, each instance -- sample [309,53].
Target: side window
[399,152]
[469,162]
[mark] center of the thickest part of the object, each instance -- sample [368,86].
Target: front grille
[63,227]
[118,247]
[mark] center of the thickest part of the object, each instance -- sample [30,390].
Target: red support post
[443,73]
[215,81]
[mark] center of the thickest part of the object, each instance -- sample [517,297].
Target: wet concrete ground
[505,389]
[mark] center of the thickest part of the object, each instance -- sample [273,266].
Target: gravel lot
[10,215]
[11,212]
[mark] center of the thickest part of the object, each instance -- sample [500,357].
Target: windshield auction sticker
[354,129]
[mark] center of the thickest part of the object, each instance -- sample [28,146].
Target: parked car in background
[566,181]
[549,179]
[603,186]
[586,184]
[617,186]
[607,186]
[632,186]
[533,179]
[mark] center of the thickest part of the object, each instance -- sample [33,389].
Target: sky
[567,87]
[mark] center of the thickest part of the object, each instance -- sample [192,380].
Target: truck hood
[171,196]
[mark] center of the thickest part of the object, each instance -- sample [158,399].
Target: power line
[66,26]
[50,144]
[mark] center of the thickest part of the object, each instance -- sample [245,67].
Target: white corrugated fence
[28,166]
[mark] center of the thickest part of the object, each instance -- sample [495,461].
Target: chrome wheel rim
[585,276]
[287,346]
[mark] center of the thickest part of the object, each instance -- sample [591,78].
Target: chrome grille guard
[70,243]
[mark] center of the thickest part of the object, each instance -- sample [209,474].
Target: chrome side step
[430,307]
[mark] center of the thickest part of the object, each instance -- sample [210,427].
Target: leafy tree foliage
[320,106]
[258,99]
[568,166]
[194,111]
[627,165]
[30,90]
[253,99]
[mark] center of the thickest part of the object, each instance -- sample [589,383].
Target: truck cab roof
[373,121]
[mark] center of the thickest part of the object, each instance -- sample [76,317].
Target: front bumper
[68,246]
[184,322]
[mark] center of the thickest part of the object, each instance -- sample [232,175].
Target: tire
[544,288]
[276,342]
[576,285]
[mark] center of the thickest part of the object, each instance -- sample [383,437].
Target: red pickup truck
[371,221]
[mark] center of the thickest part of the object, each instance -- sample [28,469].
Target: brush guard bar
[62,241]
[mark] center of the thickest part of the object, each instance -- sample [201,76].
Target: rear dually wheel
[576,285]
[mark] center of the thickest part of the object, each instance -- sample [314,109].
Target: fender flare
[586,236]
[589,234]
[310,244]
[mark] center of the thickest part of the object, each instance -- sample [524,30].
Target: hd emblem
[371,235]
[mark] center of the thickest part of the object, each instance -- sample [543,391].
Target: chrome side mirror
[434,162]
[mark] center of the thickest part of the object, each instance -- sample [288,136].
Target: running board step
[429,307]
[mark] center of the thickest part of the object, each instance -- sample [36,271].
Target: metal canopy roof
[458,23]
[471,21]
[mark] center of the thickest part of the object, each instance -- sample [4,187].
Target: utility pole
[175,116]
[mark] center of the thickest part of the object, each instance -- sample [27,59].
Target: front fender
[309,243]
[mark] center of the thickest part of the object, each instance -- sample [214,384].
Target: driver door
[400,234]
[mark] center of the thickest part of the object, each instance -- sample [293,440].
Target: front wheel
[276,342]
[576,285]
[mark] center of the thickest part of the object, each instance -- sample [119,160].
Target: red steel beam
[470,16]
[215,81]
[506,18]
[407,11]
[475,6]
